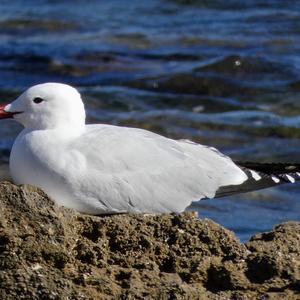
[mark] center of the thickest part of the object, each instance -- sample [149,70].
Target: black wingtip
[271,168]
[262,175]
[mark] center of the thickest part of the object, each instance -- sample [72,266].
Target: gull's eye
[38,100]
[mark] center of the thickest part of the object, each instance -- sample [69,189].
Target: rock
[29,26]
[195,83]
[50,252]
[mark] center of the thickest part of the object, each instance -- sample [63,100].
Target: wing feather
[136,170]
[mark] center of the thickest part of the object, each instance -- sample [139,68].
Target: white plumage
[101,169]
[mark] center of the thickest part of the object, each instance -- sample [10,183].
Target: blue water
[223,73]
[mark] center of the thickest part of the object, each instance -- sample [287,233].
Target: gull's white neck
[35,150]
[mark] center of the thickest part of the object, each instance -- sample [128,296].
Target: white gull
[104,169]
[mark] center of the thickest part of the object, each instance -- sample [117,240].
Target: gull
[104,169]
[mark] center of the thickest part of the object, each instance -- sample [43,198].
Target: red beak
[5,114]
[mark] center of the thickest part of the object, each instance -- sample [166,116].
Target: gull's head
[47,106]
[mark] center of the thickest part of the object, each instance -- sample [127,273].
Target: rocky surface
[50,252]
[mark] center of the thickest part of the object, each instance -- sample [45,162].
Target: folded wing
[138,171]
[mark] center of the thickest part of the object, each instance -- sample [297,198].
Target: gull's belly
[29,166]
